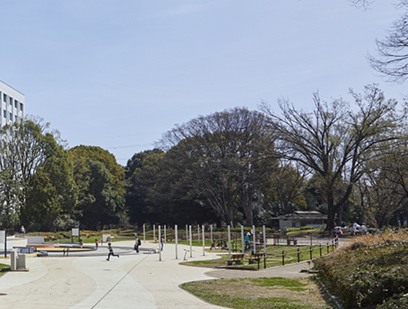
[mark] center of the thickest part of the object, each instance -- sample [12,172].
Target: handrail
[284,253]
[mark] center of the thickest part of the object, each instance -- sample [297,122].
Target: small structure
[302,218]
[18,261]
[106,238]
[35,240]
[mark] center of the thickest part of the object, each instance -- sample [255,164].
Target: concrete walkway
[130,281]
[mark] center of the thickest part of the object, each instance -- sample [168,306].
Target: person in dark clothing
[137,244]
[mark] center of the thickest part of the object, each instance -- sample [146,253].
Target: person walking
[96,244]
[137,244]
[111,252]
[212,245]
[247,235]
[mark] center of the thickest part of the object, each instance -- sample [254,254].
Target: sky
[119,74]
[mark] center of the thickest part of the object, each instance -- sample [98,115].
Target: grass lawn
[265,293]
[3,269]
[274,257]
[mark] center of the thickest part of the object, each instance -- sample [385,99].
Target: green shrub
[399,301]
[366,273]
[306,227]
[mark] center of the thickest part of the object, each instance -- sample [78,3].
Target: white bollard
[191,242]
[229,242]
[211,233]
[242,239]
[253,236]
[176,239]
[159,244]
[144,232]
[203,242]
[264,238]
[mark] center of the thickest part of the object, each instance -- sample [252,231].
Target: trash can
[21,261]
[18,261]
[13,260]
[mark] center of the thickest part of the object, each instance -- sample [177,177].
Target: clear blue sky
[119,74]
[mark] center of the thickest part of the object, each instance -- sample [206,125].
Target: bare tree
[361,3]
[393,52]
[333,142]
[392,57]
[384,188]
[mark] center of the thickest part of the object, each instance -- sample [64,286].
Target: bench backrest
[237,256]
[259,254]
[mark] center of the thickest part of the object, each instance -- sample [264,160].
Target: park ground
[130,281]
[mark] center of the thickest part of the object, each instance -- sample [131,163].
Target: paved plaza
[129,281]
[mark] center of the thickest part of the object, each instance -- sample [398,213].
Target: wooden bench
[256,257]
[236,258]
[291,240]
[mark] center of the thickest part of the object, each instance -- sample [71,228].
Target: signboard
[75,232]
[35,240]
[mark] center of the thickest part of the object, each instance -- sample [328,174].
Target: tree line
[346,160]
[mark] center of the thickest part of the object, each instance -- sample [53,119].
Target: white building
[12,105]
[302,218]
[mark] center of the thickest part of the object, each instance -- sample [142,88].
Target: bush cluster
[370,271]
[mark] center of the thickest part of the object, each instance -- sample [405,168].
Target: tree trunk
[249,218]
[330,220]
[340,215]
[331,210]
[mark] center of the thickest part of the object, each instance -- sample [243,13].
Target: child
[212,245]
[111,252]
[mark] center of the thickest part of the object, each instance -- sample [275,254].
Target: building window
[21,106]
[15,103]
[11,101]
[11,116]
[4,97]
[5,114]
